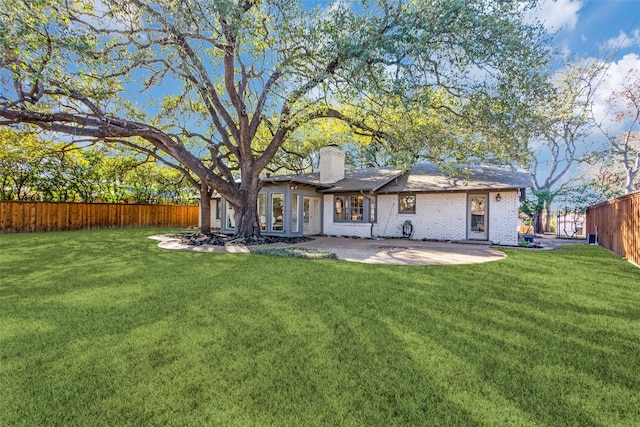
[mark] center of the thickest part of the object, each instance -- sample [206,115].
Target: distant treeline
[34,169]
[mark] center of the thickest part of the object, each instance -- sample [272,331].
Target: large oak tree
[559,137]
[214,88]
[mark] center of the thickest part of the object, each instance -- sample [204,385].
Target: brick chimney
[331,164]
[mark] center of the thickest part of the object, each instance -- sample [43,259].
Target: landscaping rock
[199,239]
[217,239]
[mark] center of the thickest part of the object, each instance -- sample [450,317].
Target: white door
[311,212]
[478,225]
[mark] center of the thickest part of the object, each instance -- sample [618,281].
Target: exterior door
[311,212]
[478,224]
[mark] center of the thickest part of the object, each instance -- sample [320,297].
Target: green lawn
[102,328]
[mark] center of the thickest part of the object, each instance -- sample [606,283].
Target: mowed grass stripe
[103,328]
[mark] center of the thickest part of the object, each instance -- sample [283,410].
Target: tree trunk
[247,220]
[247,210]
[632,171]
[205,209]
[547,219]
[537,228]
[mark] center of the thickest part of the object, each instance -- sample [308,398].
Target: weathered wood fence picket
[618,223]
[18,216]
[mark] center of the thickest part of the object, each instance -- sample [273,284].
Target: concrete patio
[371,251]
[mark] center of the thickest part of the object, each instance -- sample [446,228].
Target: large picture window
[407,203]
[349,208]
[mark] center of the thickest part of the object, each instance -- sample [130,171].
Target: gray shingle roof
[369,179]
[312,179]
[421,178]
[429,178]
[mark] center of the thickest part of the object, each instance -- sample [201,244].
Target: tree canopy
[35,168]
[214,89]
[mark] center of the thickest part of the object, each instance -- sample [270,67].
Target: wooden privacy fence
[17,217]
[618,223]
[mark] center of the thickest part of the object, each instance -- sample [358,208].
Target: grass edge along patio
[103,328]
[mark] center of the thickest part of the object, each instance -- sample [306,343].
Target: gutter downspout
[370,221]
[373,190]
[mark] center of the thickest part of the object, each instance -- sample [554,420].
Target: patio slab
[370,251]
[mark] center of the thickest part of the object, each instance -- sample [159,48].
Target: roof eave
[454,190]
[295,181]
[378,187]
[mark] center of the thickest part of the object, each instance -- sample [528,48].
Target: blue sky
[607,31]
[604,30]
[594,27]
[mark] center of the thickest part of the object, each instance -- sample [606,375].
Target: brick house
[421,203]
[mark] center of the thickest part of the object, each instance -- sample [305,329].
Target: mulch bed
[217,239]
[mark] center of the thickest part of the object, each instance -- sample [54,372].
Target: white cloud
[559,14]
[623,40]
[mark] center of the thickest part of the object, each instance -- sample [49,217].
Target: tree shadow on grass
[166,337]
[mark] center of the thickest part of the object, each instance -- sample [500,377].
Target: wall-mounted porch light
[498,197]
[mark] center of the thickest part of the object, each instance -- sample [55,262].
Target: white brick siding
[439,216]
[331,164]
[503,218]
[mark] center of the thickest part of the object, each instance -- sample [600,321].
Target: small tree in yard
[214,89]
